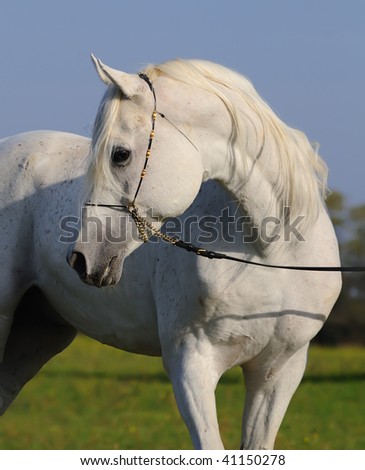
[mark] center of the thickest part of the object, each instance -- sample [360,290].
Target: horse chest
[119,316]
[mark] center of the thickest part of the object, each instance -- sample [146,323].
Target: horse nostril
[77,261]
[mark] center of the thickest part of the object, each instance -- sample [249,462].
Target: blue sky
[306,58]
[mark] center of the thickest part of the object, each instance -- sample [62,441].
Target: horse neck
[244,158]
[268,167]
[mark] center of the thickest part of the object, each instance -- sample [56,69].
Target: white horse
[220,156]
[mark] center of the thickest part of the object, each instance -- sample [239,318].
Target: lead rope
[146,229]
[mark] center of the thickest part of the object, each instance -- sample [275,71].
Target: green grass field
[95,397]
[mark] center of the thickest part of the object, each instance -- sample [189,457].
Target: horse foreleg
[194,380]
[6,320]
[268,393]
[35,337]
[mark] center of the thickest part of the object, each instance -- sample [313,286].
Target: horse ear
[129,84]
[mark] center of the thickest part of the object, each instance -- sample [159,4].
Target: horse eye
[120,155]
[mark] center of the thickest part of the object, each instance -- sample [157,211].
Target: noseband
[146,229]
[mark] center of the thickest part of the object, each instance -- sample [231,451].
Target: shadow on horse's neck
[266,215]
[220,211]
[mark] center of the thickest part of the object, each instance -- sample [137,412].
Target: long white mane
[258,134]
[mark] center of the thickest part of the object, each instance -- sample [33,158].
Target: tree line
[346,323]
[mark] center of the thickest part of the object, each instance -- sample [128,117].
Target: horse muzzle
[101,275]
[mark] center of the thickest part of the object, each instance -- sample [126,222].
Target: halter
[146,229]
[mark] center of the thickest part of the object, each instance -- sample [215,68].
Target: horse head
[148,158]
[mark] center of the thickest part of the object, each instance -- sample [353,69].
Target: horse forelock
[100,175]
